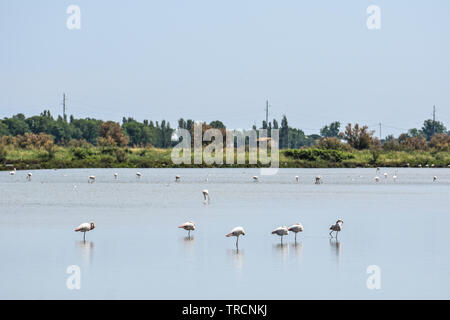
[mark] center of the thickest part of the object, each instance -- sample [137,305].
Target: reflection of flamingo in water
[236,232]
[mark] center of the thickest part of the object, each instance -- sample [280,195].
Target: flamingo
[296,228]
[188,226]
[385,174]
[138,175]
[29,174]
[177,178]
[255,178]
[236,232]
[91,179]
[84,227]
[318,179]
[434,178]
[116,175]
[395,176]
[296,178]
[281,231]
[336,227]
[377,179]
[11,173]
[206,195]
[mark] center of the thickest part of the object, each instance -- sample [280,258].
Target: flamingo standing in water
[296,178]
[29,174]
[377,179]
[395,176]
[188,226]
[296,228]
[434,178]
[236,232]
[138,175]
[177,178]
[336,227]
[85,227]
[11,173]
[318,179]
[281,231]
[255,178]
[206,195]
[91,179]
[116,175]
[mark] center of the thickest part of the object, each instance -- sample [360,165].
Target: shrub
[319,154]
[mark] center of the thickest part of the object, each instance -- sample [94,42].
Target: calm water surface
[137,251]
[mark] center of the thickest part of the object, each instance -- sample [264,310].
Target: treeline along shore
[46,142]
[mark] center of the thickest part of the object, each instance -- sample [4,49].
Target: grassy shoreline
[110,157]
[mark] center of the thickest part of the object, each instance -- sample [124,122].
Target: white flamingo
[188,226]
[336,227]
[138,175]
[434,178]
[385,174]
[236,232]
[206,195]
[281,231]
[395,176]
[11,173]
[255,178]
[29,174]
[296,178]
[318,179]
[296,228]
[116,175]
[377,179]
[91,179]
[85,227]
[177,178]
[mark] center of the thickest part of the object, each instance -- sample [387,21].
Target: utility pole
[434,119]
[380,131]
[267,113]
[64,107]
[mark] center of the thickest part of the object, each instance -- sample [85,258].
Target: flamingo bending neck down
[91,179]
[336,227]
[318,179]
[281,231]
[206,196]
[255,178]
[177,178]
[138,175]
[84,227]
[29,174]
[236,232]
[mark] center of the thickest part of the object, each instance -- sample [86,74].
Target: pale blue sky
[315,61]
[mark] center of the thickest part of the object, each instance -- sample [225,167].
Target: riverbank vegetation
[44,142]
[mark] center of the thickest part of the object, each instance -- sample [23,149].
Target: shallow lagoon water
[137,251]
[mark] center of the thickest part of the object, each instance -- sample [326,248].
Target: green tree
[331,131]
[430,128]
